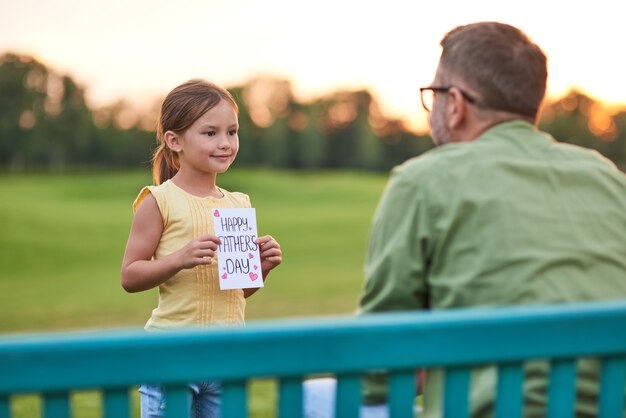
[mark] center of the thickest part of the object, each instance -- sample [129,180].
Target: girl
[172,243]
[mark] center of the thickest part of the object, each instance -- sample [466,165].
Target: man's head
[492,72]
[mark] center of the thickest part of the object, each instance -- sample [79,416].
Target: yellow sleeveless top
[192,298]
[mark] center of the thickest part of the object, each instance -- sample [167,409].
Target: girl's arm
[271,256]
[139,271]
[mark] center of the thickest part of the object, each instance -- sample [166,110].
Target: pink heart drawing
[253,276]
[250,255]
[224,276]
[216,213]
[255,267]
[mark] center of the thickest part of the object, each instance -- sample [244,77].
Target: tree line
[46,124]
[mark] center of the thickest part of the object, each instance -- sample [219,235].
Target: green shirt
[513,217]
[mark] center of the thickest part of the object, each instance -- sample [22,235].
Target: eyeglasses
[427,94]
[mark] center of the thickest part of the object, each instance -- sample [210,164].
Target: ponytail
[164,164]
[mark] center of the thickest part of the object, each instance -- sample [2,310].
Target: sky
[138,50]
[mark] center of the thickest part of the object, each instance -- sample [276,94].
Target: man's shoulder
[582,154]
[438,160]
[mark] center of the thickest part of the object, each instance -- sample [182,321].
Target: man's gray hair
[500,63]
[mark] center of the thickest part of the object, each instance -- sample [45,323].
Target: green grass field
[63,237]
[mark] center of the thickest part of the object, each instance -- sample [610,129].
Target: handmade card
[238,258]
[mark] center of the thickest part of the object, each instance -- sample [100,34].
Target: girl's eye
[232,132]
[210,133]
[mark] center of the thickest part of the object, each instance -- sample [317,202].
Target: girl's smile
[222,157]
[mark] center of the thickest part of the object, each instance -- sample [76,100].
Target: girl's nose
[224,142]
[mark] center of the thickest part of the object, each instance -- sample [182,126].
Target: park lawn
[63,238]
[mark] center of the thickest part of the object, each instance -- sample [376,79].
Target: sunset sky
[140,49]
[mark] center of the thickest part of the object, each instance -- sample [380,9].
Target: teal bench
[113,362]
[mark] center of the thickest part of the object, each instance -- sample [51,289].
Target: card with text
[238,258]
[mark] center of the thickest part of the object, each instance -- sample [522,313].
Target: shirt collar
[514,129]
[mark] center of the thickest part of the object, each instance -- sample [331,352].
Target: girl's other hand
[270,252]
[199,250]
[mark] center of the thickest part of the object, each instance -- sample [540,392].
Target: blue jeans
[319,401]
[205,400]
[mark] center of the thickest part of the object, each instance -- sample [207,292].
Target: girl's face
[210,145]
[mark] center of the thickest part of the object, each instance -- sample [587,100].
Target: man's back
[519,218]
[510,218]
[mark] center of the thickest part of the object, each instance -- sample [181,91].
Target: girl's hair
[180,109]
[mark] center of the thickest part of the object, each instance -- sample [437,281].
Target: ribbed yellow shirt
[192,297]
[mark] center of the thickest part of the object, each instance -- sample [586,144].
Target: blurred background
[329,102]
[321,85]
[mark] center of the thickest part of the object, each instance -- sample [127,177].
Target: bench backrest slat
[402,393]
[56,405]
[177,400]
[5,407]
[612,384]
[290,397]
[509,390]
[235,399]
[456,392]
[348,396]
[562,388]
[116,403]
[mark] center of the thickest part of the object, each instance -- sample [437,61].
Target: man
[500,213]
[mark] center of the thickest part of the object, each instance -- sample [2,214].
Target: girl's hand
[199,250]
[271,255]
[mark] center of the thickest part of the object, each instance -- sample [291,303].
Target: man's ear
[172,141]
[456,108]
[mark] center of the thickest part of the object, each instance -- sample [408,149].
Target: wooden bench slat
[234,399]
[56,405]
[612,386]
[348,400]
[5,407]
[456,392]
[116,403]
[562,388]
[290,398]
[402,394]
[177,400]
[510,390]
